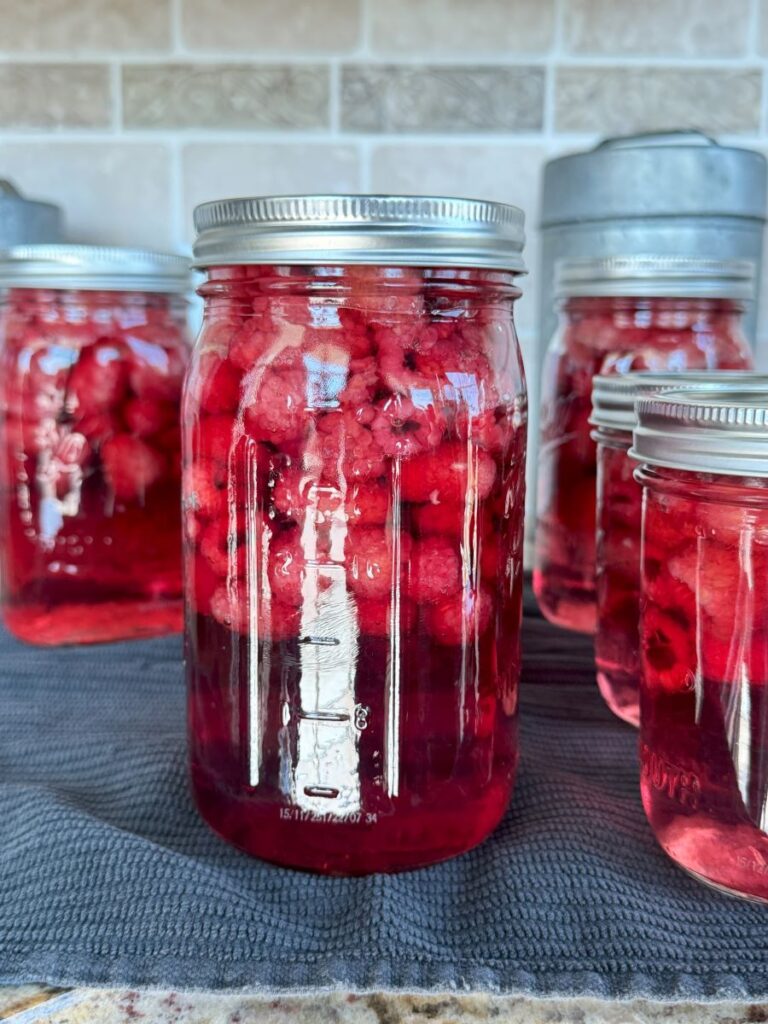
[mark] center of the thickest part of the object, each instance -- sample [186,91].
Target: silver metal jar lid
[387,230]
[93,268]
[721,430]
[654,276]
[614,395]
[654,174]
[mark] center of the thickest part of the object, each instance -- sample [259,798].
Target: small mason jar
[354,450]
[619,499]
[93,348]
[703,457]
[616,315]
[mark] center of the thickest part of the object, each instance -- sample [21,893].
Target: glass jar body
[354,492]
[617,574]
[91,464]
[603,336]
[704,693]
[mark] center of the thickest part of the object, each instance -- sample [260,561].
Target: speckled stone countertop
[33,1004]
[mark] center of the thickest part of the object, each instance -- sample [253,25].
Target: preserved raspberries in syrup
[353,496]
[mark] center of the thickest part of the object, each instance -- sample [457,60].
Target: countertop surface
[33,1004]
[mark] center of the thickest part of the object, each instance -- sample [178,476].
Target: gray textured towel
[108,877]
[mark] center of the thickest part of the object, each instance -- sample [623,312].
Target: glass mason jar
[93,347]
[704,631]
[354,451]
[631,313]
[619,499]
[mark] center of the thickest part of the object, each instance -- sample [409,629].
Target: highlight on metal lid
[93,267]
[655,276]
[717,429]
[373,229]
[614,395]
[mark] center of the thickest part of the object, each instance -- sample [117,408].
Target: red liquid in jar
[619,505]
[90,394]
[354,496]
[602,336]
[704,700]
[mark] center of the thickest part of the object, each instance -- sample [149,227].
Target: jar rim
[719,429]
[614,396]
[654,276]
[387,230]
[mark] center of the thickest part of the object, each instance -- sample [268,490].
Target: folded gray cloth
[108,876]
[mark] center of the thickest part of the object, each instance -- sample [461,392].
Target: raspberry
[215,547]
[713,574]
[405,356]
[145,416]
[459,620]
[250,342]
[354,326]
[130,466]
[99,378]
[403,428]
[742,656]
[444,518]
[205,489]
[435,570]
[362,383]
[492,429]
[156,372]
[668,651]
[375,617]
[367,504]
[370,566]
[204,584]
[448,474]
[344,447]
[276,621]
[669,593]
[219,384]
[276,409]
[98,427]
[384,292]
[287,569]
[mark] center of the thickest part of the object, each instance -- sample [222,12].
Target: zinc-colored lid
[93,267]
[718,429]
[373,229]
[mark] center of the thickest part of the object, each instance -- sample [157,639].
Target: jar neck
[610,437]
[702,486]
[339,284]
[652,313]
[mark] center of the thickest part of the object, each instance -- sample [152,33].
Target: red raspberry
[669,653]
[215,549]
[744,655]
[384,292]
[156,371]
[276,409]
[403,428]
[460,619]
[145,416]
[204,584]
[375,617]
[287,569]
[435,570]
[369,561]
[205,489]
[447,475]
[218,383]
[345,446]
[362,383]
[444,518]
[355,333]
[99,378]
[367,504]
[297,492]
[130,466]
[276,621]
[98,427]
[250,342]
[492,429]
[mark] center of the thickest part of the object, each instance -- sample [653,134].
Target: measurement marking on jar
[324,716]
[678,784]
[320,641]
[328,817]
[328,792]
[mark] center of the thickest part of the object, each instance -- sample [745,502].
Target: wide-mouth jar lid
[717,429]
[655,276]
[93,268]
[426,231]
[614,396]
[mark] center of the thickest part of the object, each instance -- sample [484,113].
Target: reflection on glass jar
[641,313]
[93,354]
[704,632]
[354,493]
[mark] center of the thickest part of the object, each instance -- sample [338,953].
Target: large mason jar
[354,464]
[628,313]
[704,630]
[93,349]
